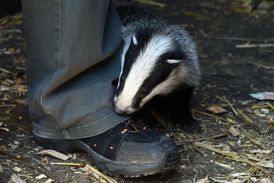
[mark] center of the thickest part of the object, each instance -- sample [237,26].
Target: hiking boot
[128,149]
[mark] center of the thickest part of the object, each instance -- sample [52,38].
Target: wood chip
[49,181]
[4,129]
[41,176]
[266,164]
[224,165]
[254,45]
[234,131]
[23,102]
[259,151]
[97,174]
[265,180]
[241,174]
[17,169]
[204,180]
[15,179]
[4,88]
[216,109]
[54,154]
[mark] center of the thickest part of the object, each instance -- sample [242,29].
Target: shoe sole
[170,159]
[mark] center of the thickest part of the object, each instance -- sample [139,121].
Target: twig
[213,116]
[93,170]
[228,154]
[254,45]
[224,99]
[263,105]
[68,164]
[251,139]
[236,38]
[182,142]
[4,70]
[220,181]
[154,3]
[270,105]
[27,159]
[260,65]
[245,117]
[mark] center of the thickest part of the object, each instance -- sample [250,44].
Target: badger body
[159,66]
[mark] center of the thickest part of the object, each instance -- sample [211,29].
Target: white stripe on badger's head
[123,55]
[130,84]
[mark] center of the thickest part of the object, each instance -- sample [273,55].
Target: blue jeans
[73,55]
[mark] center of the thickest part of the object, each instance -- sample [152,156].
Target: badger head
[152,64]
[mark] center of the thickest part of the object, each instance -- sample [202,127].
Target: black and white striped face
[148,69]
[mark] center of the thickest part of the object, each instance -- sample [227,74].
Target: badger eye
[143,92]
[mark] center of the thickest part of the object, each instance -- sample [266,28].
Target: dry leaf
[204,180]
[216,109]
[234,131]
[270,122]
[15,179]
[54,153]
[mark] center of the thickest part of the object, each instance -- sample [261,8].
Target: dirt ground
[235,41]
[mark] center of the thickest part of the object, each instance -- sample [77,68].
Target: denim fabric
[73,55]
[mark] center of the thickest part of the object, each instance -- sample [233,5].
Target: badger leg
[179,109]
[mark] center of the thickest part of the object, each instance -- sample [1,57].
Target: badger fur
[159,66]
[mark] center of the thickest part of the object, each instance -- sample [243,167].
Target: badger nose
[120,111]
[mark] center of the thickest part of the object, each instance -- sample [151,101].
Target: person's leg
[69,96]
[73,50]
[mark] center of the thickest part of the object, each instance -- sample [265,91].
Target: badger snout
[122,108]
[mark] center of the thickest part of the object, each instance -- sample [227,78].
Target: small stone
[17,169]
[15,179]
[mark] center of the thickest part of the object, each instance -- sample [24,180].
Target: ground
[235,41]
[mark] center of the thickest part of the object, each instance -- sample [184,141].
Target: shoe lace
[133,126]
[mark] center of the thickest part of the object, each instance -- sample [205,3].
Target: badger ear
[173,61]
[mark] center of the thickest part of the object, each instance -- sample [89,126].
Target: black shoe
[127,149]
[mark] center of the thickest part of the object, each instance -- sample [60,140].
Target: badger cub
[159,67]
